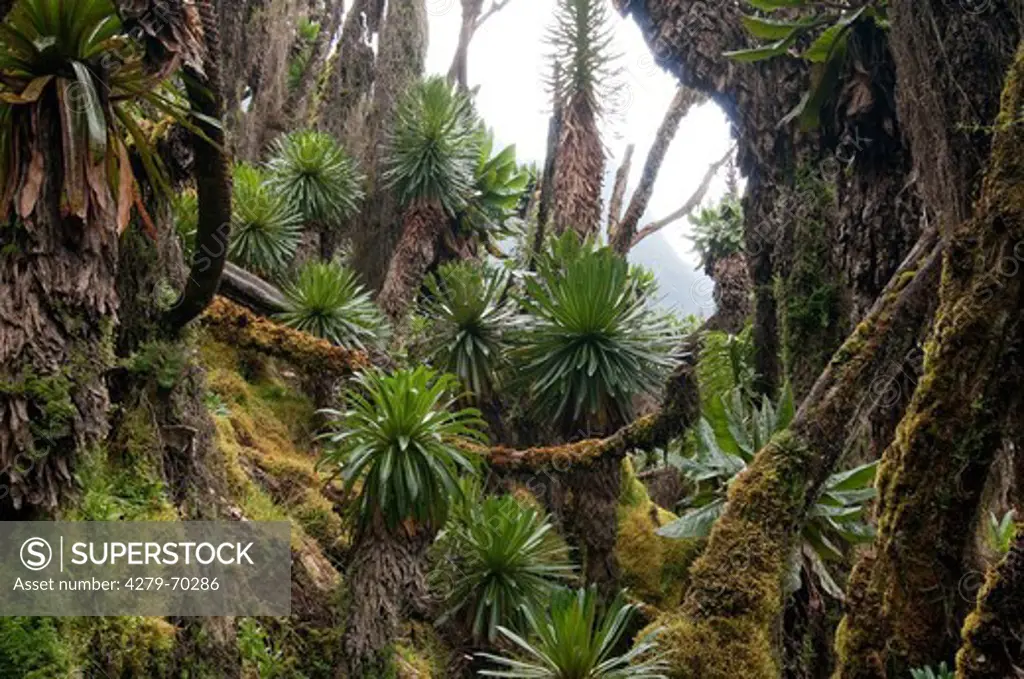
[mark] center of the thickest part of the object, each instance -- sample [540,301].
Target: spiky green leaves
[505,556]
[593,339]
[398,443]
[315,173]
[572,638]
[265,226]
[470,319]
[327,300]
[718,232]
[582,49]
[433,151]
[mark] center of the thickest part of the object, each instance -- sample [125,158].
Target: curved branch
[689,206]
[213,178]
[623,235]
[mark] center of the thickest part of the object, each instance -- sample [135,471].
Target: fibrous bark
[423,225]
[579,170]
[57,314]
[386,579]
[932,476]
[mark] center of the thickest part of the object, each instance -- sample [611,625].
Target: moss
[654,568]
[240,328]
[729,616]
[419,653]
[33,648]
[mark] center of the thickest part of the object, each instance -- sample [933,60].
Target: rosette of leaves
[837,518]
[592,339]
[469,318]
[504,556]
[73,63]
[397,446]
[265,226]
[815,31]
[572,636]
[315,173]
[328,300]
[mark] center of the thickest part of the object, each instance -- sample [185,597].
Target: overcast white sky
[508,60]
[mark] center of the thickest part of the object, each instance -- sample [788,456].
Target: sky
[508,61]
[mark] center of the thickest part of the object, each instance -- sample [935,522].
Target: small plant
[570,638]
[185,213]
[265,227]
[398,442]
[837,516]
[327,300]
[942,672]
[258,652]
[718,232]
[592,340]
[1002,532]
[500,184]
[316,175]
[505,556]
[469,320]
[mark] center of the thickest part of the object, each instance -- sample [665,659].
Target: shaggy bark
[992,647]
[386,579]
[732,295]
[932,476]
[213,179]
[423,225]
[57,314]
[684,99]
[400,63]
[579,169]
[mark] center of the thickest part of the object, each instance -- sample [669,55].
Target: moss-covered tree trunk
[728,622]
[58,308]
[904,597]
[992,647]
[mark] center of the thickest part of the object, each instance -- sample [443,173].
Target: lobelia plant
[592,339]
[265,227]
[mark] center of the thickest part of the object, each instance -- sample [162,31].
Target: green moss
[654,568]
[729,617]
[163,361]
[33,648]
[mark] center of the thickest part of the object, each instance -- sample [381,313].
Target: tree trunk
[298,104]
[622,238]
[423,225]
[458,72]
[386,578]
[57,315]
[729,619]
[991,636]
[547,179]
[400,63]
[579,170]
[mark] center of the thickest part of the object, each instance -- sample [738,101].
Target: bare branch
[684,99]
[619,191]
[691,203]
